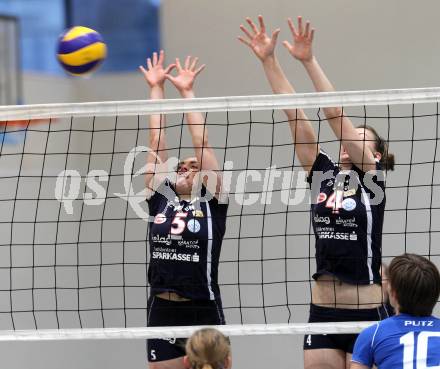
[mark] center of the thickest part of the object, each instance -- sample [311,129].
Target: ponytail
[208,348]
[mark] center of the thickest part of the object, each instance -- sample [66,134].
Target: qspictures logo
[293,189]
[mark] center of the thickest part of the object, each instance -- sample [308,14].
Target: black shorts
[162,313]
[344,342]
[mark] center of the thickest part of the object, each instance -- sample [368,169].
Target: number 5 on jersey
[178,224]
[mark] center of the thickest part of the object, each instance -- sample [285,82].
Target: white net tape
[229,103]
[166,332]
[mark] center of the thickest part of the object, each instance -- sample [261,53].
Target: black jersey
[347,224]
[185,241]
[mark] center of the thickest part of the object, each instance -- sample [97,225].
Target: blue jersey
[400,342]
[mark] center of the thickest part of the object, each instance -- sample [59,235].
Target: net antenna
[73,251]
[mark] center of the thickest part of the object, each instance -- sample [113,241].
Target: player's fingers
[307,30]
[248,34]
[287,45]
[246,42]
[291,26]
[194,63]
[200,69]
[312,34]
[187,60]
[170,68]
[275,36]
[142,69]
[149,65]
[300,25]
[178,66]
[154,58]
[161,57]
[170,77]
[252,24]
[262,25]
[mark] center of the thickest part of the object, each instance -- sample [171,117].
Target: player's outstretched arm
[184,82]
[263,47]
[301,49]
[154,74]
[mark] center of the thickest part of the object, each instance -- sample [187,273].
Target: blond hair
[208,348]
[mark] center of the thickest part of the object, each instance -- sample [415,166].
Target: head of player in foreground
[208,348]
[413,285]
[411,338]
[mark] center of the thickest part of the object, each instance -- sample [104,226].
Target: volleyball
[81,50]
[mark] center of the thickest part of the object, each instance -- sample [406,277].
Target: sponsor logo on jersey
[175,256]
[166,240]
[198,214]
[350,223]
[348,193]
[321,197]
[193,225]
[192,244]
[160,218]
[337,236]
[325,229]
[349,204]
[318,219]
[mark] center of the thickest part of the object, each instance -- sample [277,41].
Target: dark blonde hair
[208,348]
[387,159]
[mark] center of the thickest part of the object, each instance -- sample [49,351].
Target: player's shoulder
[383,328]
[369,333]
[405,322]
[323,163]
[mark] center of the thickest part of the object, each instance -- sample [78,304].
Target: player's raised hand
[301,48]
[186,75]
[257,39]
[155,72]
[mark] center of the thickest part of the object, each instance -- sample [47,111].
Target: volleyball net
[73,220]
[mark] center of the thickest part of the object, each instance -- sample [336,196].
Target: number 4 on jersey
[334,202]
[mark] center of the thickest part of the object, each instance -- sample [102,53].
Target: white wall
[41,89]
[38,89]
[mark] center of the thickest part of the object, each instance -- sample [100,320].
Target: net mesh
[73,224]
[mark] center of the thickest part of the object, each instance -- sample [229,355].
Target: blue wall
[130,29]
